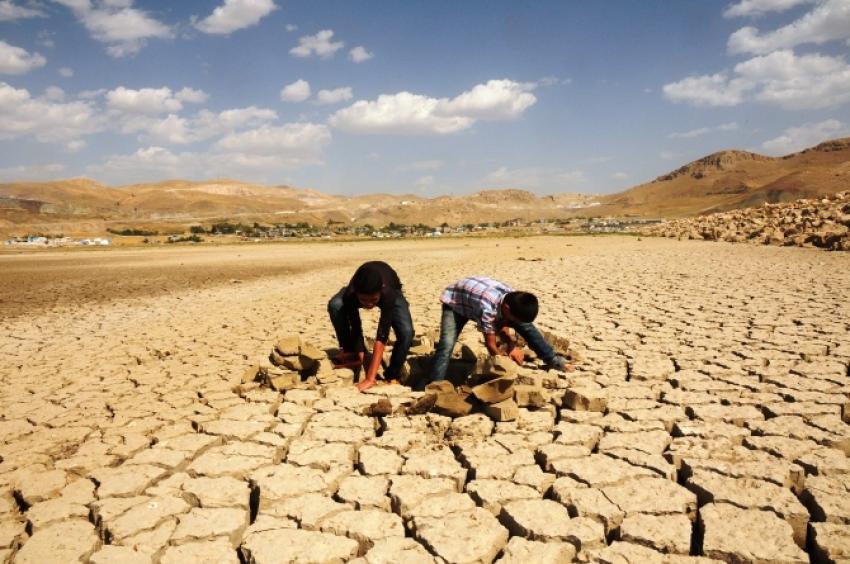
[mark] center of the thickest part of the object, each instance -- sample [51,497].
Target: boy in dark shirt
[374,283]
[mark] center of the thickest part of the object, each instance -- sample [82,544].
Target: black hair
[523,305]
[367,279]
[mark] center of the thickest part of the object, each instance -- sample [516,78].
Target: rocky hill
[722,181]
[823,222]
[729,180]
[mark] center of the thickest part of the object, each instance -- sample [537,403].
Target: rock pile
[823,223]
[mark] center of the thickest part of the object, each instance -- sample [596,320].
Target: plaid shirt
[478,298]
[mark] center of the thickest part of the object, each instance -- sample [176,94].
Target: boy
[374,283]
[495,307]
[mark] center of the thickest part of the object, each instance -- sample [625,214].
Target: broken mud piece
[380,408]
[422,405]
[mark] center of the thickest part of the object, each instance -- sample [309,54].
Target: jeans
[351,338]
[452,324]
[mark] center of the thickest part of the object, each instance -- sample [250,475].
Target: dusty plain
[707,418]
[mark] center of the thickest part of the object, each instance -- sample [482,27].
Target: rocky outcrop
[823,223]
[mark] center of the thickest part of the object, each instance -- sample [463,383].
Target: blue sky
[417,97]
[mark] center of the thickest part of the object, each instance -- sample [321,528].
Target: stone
[374,461]
[493,494]
[495,390]
[653,496]
[365,492]
[67,541]
[476,426]
[113,554]
[498,366]
[506,410]
[670,534]
[577,434]
[288,345]
[830,542]
[216,492]
[201,523]
[452,404]
[395,550]
[585,399]
[284,381]
[472,536]
[250,374]
[202,552]
[294,545]
[527,395]
[523,551]
[546,520]
[748,535]
[365,526]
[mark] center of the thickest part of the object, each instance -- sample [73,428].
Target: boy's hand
[517,355]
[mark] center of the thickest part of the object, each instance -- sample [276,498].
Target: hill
[722,181]
[729,180]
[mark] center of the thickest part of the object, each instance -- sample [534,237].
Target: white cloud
[359,54]
[16,60]
[291,27]
[297,91]
[150,101]
[66,72]
[780,78]
[75,146]
[334,96]
[535,178]
[9,11]
[176,130]
[319,45]
[495,100]
[31,172]
[54,94]
[707,90]
[23,116]
[667,155]
[300,142]
[116,23]
[755,8]
[828,21]
[413,114]
[192,96]
[798,138]
[425,181]
[731,126]
[234,15]
[619,175]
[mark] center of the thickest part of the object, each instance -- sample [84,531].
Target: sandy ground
[716,376]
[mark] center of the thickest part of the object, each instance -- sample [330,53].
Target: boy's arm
[372,370]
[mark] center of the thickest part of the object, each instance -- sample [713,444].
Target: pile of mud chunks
[476,381]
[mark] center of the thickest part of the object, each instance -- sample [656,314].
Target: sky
[421,97]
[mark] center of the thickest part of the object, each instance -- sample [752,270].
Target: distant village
[257,232]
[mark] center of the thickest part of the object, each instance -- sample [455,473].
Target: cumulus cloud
[301,141]
[334,96]
[320,45]
[66,72]
[731,126]
[828,21]
[21,115]
[798,138]
[191,95]
[150,101]
[177,130]
[234,15]
[9,11]
[16,60]
[755,8]
[359,54]
[414,114]
[291,27]
[124,29]
[535,178]
[297,91]
[780,78]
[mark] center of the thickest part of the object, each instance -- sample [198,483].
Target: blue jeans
[351,338]
[452,324]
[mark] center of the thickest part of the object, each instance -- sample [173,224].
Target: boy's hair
[367,280]
[523,305]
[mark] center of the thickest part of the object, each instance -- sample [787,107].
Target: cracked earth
[706,420]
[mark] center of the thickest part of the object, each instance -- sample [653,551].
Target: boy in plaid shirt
[495,307]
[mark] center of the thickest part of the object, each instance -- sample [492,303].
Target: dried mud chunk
[748,535]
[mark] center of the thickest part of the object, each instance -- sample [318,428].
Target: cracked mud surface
[706,420]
